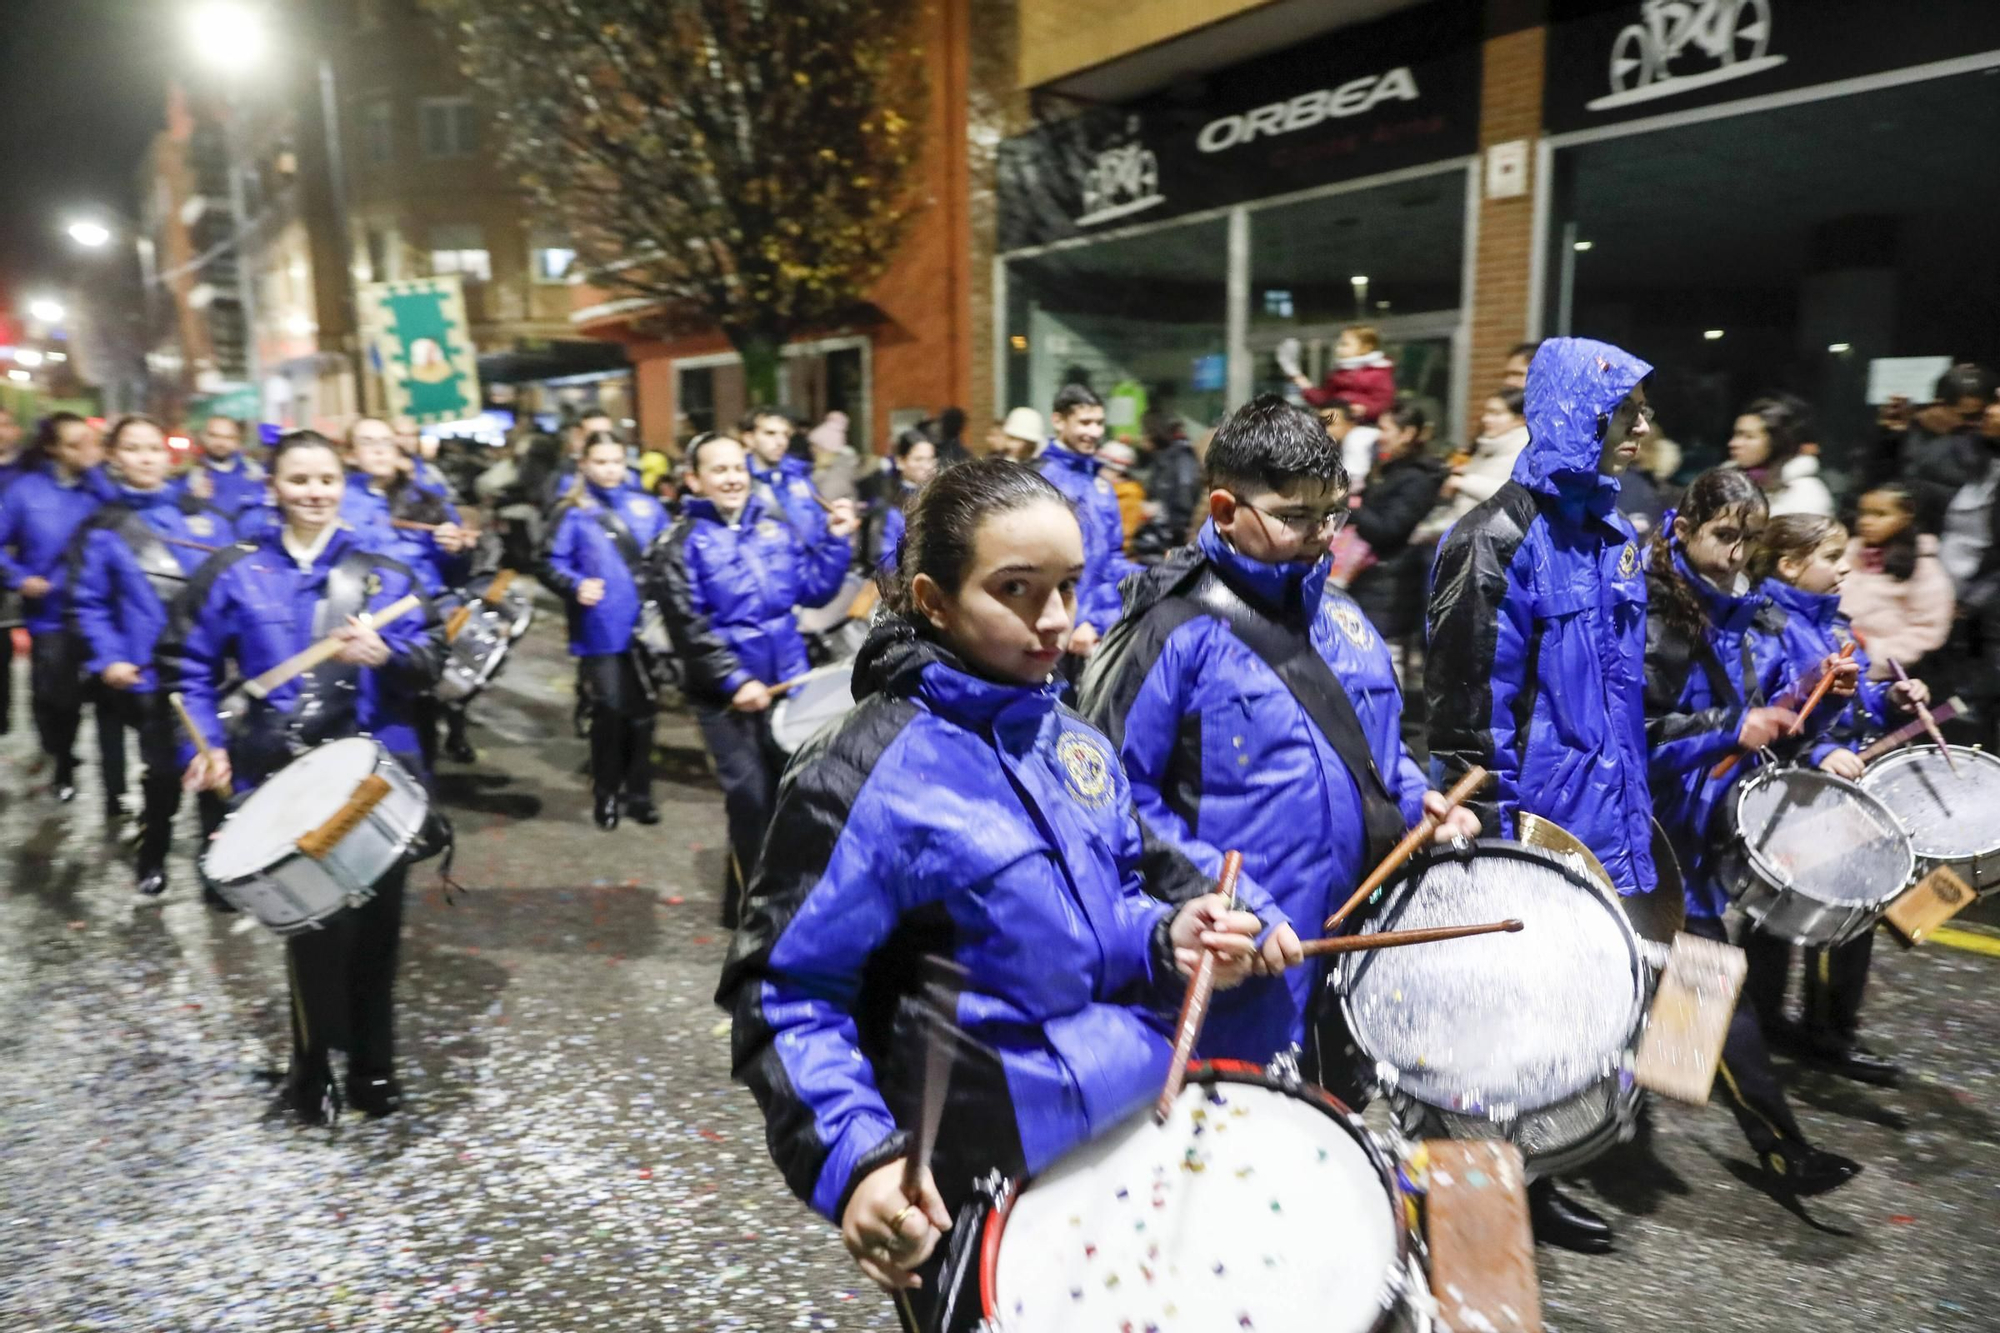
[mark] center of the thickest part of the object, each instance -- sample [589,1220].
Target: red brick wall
[1510,108]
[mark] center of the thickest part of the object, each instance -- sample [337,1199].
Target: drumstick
[497,589]
[1395,939]
[413,525]
[454,626]
[301,662]
[1474,779]
[201,745]
[1925,720]
[1728,766]
[1194,1007]
[1943,713]
[785,687]
[182,541]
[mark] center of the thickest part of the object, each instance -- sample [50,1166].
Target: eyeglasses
[1305,525]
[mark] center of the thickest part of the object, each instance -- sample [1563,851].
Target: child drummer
[257,604]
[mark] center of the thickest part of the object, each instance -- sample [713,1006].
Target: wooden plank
[1682,1044]
[1482,1249]
[1931,901]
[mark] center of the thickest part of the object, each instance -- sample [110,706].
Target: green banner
[421,344]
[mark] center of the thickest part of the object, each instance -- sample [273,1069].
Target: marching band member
[1537,646]
[420,456]
[59,487]
[257,604]
[1800,565]
[960,810]
[783,482]
[1715,656]
[1069,460]
[1223,750]
[12,457]
[221,475]
[916,464]
[129,562]
[595,561]
[727,575]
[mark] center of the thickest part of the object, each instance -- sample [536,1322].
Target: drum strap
[156,562]
[1719,683]
[622,541]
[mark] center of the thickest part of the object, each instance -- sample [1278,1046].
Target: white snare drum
[475,655]
[1953,819]
[256,862]
[1812,858]
[1526,1037]
[820,697]
[1259,1204]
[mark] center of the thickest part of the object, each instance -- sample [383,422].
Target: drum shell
[296,893]
[1980,869]
[1777,907]
[475,655]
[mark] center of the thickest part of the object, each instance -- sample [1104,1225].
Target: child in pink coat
[1361,375]
[1898,594]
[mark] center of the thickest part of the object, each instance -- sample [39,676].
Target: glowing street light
[228,32]
[90,235]
[27,357]
[47,311]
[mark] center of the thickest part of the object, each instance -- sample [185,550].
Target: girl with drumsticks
[1715,659]
[1801,564]
[257,604]
[961,813]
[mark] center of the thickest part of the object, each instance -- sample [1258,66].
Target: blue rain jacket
[1098,602]
[788,488]
[579,548]
[889,539]
[252,605]
[727,591]
[987,825]
[1815,627]
[1538,628]
[118,604]
[242,485]
[1222,755]
[38,517]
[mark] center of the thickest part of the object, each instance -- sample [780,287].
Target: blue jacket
[727,592]
[38,517]
[985,824]
[243,485]
[1104,564]
[889,537]
[1815,627]
[789,486]
[252,605]
[1696,696]
[580,549]
[1222,755]
[117,603]
[1538,628]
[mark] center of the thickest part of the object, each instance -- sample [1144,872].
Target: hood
[1818,608]
[899,662]
[1365,360]
[1572,382]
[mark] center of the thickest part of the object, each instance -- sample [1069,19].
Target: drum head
[1822,836]
[1251,1207]
[297,799]
[820,619]
[1504,1024]
[1949,816]
[822,696]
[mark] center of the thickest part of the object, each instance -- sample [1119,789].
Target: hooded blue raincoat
[1538,627]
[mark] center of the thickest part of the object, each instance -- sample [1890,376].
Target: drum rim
[1909,757]
[382,756]
[1395,1286]
[1608,898]
[1784,884]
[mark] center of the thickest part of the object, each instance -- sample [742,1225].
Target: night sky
[82,91]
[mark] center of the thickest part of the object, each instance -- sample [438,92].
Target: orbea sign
[1352,98]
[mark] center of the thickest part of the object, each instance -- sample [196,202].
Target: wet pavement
[575,1157]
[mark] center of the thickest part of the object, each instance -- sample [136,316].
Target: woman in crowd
[1402,489]
[1896,592]
[1766,444]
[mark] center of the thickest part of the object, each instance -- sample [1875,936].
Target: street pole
[246,280]
[336,174]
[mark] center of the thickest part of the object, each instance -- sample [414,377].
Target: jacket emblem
[372,585]
[766,528]
[1628,561]
[1103,485]
[201,525]
[637,508]
[1086,770]
[1352,625]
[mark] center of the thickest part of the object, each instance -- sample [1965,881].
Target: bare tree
[745,164]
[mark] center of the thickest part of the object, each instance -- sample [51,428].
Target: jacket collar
[1726,610]
[1818,608]
[1070,459]
[703,509]
[140,501]
[1288,590]
[608,498]
[899,662]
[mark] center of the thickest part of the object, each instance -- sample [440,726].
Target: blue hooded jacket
[1098,603]
[38,517]
[1222,755]
[727,591]
[1538,628]
[985,824]
[118,605]
[581,549]
[240,486]
[789,486]
[1815,628]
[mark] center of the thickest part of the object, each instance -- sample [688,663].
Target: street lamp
[90,235]
[47,311]
[228,32]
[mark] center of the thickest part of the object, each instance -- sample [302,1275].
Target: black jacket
[1391,591]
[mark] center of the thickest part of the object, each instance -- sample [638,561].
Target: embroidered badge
[1628,561]
[372,585]
[637,508]
[766,528]
[201,525]
[1086,769]
[1103,485]
[1352,625]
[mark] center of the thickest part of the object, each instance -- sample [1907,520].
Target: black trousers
[342,979]
[1747,1077]
[6,674]
[748,763]
[1836,983]
[622,717]
[55,689]
[432,713]
[151,717]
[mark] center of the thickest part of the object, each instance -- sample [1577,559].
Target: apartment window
[378,145]
[450,128]
[552,262]
[461,248]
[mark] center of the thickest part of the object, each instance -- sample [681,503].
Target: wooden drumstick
[1194,1006]
[1945,712]
[201,745]
[1728,766]
[301,662]
[1925,719]
[784,687]
[497,588]
[1395,939]
[1474,779]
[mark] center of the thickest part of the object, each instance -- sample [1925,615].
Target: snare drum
[516,606]
[474,655]
[317,836]
[820,697]
[1953,819]
[1810,857]
[1260,1204]
[1526,1037]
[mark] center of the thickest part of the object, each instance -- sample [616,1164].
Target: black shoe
[65,787]
[1855,1061]
[606,812]
[374,1097]
[311,1094]
[1563,1222]
[459,750]
[642,810]
[1803,1170]
[152,881]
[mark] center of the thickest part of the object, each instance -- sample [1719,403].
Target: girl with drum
[257,604]
[727,576]
[1801,564]
[130,561]
[961,813]
[1715,656]
[595,561]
